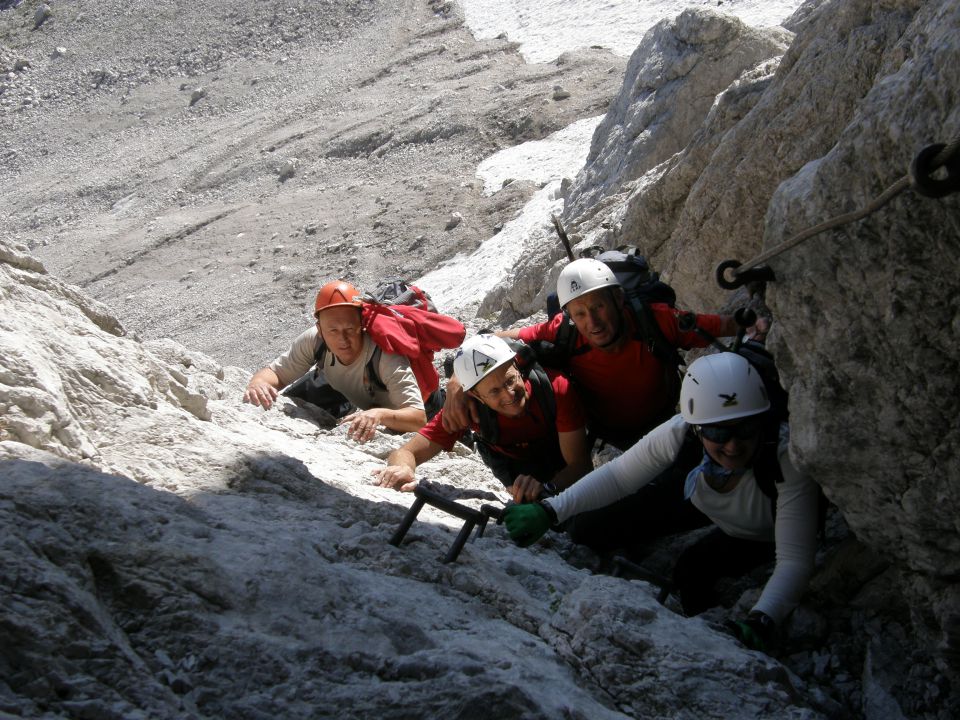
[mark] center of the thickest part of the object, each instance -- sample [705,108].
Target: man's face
[340,328]
[503,391]
[597,317]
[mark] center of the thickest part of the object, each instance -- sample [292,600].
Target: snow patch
[459,285]
[547,29]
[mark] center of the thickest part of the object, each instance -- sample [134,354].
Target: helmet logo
[729,400]
[574,286]
[482,363]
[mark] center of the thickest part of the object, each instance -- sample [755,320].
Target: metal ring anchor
[924,166]
[742,277]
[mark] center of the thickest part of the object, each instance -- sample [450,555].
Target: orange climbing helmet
[334,294]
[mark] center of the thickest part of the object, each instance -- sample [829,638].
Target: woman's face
[732,444]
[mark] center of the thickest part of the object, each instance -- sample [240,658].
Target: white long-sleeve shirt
[744,512]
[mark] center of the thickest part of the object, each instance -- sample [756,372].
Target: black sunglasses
[721,434]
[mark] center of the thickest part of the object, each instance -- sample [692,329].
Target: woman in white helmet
[744,462]
[531,432]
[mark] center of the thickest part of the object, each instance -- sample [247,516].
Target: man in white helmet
[745,484]
[530,431]
[623,364]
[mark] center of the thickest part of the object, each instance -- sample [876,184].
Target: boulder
[874,381]
[669,86]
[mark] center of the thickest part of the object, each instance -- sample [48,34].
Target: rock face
[873,373]
[168,552]
[669,86]
[689,81]
[870,320]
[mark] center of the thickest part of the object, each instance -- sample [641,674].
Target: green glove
[526,523]
[757,632]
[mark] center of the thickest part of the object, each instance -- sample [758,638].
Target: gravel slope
[181,217]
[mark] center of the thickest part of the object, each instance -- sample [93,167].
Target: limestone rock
[41,15]
[669,86]
[872,373]
[170,548]
[836,57]
[453,221]
[288,169]
[867,329]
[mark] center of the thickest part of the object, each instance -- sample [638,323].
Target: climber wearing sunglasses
[723,461]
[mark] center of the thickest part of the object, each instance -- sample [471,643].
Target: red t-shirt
[527,436]
[625,390]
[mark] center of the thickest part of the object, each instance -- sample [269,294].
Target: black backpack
[641,287]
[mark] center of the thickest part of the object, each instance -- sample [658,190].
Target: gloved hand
[526,523]
[757,632]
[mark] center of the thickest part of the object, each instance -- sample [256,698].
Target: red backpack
[407,323]
[401,319]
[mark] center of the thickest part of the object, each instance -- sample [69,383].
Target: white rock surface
[174,553]
[248,575]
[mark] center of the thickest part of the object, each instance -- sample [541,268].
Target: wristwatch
[765,622]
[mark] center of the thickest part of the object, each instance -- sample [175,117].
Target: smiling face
[341,330]
[503,391]
[736,453]
[598,318]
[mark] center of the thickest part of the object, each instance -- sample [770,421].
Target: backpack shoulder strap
[648,331]
[767,473]
[766,468]
[566,339]
[557,354]
[373,368]
[543,394]
[320,352]
[489,427]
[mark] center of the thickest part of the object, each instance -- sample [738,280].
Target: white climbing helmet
[720,387]
[583,276]
[478,357]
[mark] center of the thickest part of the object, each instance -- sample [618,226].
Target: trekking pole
[744,317]
[563,236]
[687,322]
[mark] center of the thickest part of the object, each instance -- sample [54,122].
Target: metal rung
[472,518]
